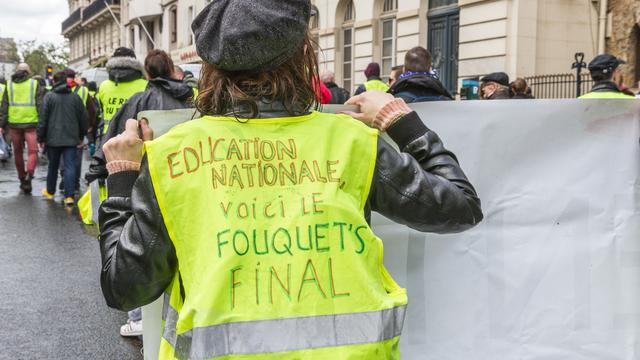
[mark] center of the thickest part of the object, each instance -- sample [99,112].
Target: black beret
[605,63]
[251,35]
[497,77]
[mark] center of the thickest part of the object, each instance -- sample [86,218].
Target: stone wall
[624,37]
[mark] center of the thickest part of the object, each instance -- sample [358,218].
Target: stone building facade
[623,36]
[93,31]
[468,38]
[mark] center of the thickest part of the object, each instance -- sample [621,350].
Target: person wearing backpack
[418,82]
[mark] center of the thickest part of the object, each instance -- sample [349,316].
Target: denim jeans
[69,154]
[135,314]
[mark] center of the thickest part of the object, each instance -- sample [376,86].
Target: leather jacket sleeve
[138,257]
[423,187]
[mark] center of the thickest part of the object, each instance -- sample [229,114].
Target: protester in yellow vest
[21,106]
[126,78]
[163,92]
[252,220]
[607,75]
[374,82]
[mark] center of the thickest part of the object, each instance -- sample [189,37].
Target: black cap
[605,63]
[241,35]
[70,73]
[124,52]
[497,77]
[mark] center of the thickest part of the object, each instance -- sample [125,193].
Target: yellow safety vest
[82,92]
[89,203]
[607,95]
[376,85]
[113,95]
[275,256]
[2,87]
[22,102]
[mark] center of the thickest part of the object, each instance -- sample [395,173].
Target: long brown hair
[158,64]
[292,83]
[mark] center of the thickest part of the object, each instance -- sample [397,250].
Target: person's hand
[41,146]
[1,131]
[370,103]
[379,110]
[81,145]
[128,145]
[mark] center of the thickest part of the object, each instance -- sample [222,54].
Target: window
[388,47]
[347,63]
[388,37]
[441,3]
[349,13]
[348,45]
[191,15]
[390,5]
[132,37]
[314,25]
[173,24]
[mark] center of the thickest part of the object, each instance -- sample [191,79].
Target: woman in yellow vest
[253,220]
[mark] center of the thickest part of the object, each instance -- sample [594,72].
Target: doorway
[442,40]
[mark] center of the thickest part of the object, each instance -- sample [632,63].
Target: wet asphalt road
[50,301]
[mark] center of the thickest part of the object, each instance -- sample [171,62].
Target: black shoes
[25,184]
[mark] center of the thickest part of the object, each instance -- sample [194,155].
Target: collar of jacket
[62,88]
[20,76]
[422,82]
[176,89]
[605,86]
[374,77]
[124,69]
[266,110]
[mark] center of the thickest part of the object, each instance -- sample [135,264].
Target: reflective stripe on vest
[270,213]
[2,87]
[89,203]
[607,95]
[22,102]
[82,92]
[271,336]
[376,85]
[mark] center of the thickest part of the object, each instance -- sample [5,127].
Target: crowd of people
[236,84]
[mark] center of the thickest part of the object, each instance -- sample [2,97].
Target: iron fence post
[579,65]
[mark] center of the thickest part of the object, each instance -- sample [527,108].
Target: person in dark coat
[339,95]
[163,93]
[418,83]
[62,128]
[495,86]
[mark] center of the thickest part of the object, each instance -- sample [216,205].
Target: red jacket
[323,95]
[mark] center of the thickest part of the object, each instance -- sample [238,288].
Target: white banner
[553,272]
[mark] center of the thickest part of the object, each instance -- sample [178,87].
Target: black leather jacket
[423,187]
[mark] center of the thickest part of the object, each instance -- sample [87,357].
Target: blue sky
[33,19]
